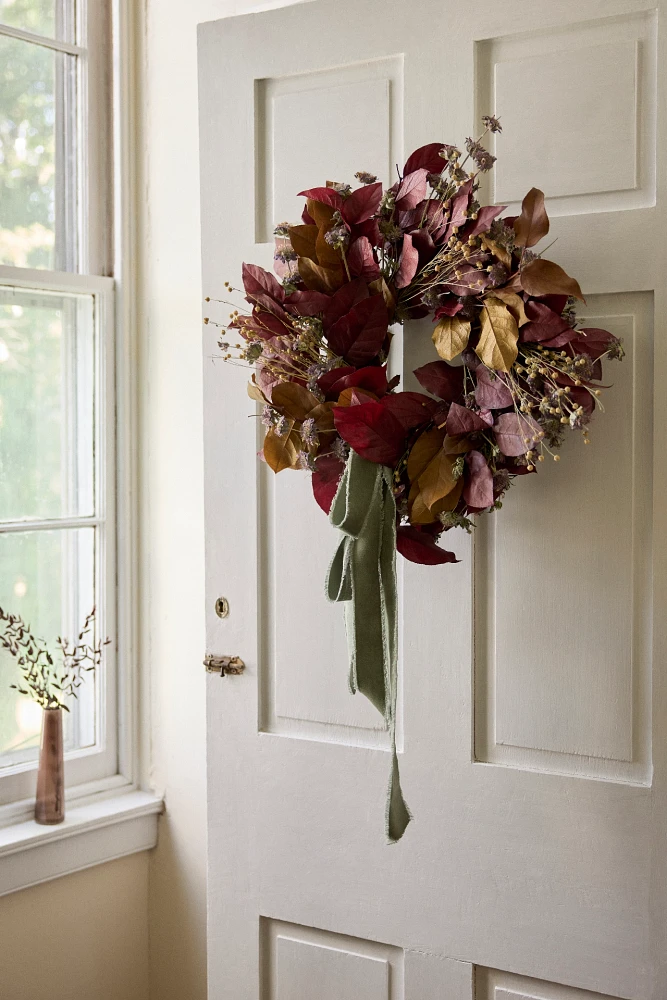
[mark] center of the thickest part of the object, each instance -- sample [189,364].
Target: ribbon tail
[398,815]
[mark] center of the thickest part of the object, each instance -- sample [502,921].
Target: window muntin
[57,410]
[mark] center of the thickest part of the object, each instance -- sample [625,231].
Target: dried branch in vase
[51,678]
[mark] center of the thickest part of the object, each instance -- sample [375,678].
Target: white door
[533,707]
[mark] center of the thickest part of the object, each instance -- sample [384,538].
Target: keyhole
[222,607]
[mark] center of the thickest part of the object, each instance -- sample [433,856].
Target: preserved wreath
[396,470]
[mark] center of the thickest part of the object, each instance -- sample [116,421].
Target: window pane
[47,380]
[37,156]
[54,18]
[48,578]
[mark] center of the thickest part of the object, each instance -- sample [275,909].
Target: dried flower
[491,123]
[365,178]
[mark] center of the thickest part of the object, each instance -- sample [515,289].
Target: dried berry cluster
[514,369]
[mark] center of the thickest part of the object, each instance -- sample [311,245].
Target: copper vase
[50,799]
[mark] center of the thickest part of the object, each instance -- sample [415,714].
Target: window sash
[100,760]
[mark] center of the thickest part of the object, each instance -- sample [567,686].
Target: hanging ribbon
[362,575]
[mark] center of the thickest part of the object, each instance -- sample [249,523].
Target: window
[57,405]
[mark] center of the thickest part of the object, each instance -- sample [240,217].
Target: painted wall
[82,937]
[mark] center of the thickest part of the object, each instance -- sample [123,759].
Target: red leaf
[411,190]
[361,261]
[359,334]
[478,484]
[515,435]
[308,303]
[372,378]
[342,301]
[372,431]
[443,380]
[325,195]
[428,157]
[408,265]
[460,420]
[258,281]
[420,547]
[411,409]
[326,477]
[362,203]
[491,393]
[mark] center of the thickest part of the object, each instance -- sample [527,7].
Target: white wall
[172,478]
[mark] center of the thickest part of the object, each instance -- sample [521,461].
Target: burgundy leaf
[460,420]
[485,217]
[459,208]
[307,218]
[411,190]
[257,280]
[362,203]
[428,157]
[361,261]
[372,431]
[471,281]
[593,342]
[443,380]
[450,307]
[423,241]
[372,378]
[408,265]
[326,477]
[325,195]
[544,322]
[515,435]
[370,230]
[342,301]
[359,334]
[478,483]
[411,409]
[307,303]
[491,393]
[420,547]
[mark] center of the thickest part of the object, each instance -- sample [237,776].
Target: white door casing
[532,706]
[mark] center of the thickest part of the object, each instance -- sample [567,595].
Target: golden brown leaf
[322,215]
[437,479]
[514,303]
[295,401]
[418,511]
[495,248]
[322,414]
[304,241]
[497,346]
[320,279]
[280,452]
[425,448]
[533,223]
[451,336]
[543,277]
[457,444]
[256,393]
[326,255]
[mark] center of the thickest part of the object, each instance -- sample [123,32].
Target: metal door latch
[223,664]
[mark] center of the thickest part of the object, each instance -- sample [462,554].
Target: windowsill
[96,830]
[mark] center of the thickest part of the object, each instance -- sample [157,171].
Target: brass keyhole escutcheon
[222,607]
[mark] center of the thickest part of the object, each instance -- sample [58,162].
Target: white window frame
[107,814]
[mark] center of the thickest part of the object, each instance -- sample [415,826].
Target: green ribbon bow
[362,574]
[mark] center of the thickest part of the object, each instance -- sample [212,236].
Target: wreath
[396,470]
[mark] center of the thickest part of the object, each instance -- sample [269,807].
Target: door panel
[535,866]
